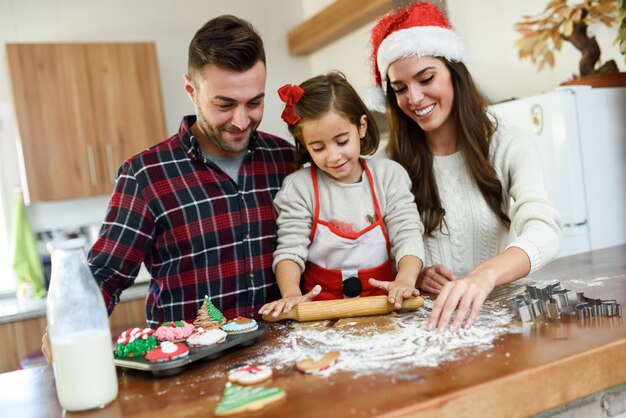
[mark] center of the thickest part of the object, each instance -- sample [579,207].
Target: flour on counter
[392,342]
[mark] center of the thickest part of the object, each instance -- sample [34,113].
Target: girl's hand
[284,305]
[432,279]
[397,290]
[463,296]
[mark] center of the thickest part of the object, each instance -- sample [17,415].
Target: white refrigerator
[581,136]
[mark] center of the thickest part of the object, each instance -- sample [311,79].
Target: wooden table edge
[532,391]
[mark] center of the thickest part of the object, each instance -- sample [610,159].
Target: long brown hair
[408,146]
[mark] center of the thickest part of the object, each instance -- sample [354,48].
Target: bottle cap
[70,244]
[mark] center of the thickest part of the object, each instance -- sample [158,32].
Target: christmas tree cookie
[239,399]
[208,316]
[135,342]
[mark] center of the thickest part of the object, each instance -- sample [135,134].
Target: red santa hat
[421,29]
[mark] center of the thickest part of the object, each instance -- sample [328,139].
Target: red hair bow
[290,94]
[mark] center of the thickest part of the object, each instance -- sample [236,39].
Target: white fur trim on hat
[422,41]
[375,99]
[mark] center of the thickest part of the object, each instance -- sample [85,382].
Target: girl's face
[423,88]
[334,144]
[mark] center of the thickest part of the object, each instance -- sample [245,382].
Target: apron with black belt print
[342,262]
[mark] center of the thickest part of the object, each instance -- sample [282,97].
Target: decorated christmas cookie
[239,399]
[135,342]
[205,338]
[310,366]
[208,316]
[249,374]
[240,325]
[167,351]
[174,331]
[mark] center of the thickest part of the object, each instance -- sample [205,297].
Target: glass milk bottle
[78,326]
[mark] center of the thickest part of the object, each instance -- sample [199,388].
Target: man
[197,207]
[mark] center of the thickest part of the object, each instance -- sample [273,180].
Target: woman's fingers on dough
[444,272]
[476,307]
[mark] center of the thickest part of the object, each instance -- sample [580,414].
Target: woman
[478,185]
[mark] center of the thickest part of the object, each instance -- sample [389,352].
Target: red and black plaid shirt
[197,232]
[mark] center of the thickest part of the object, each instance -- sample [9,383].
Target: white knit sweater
[472,233]
[350,205]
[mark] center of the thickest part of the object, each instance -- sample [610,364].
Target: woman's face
[423,89]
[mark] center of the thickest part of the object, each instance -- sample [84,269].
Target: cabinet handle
[109,149]
[92,166]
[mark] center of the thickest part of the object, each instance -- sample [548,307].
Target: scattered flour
[402,341]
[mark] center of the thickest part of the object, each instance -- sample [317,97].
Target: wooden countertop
[549,363]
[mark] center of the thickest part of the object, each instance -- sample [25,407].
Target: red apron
[343,262]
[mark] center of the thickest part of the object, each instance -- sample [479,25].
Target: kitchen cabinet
[81,109]
[22,337]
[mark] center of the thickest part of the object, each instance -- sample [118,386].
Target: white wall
[171,25]
[487,29]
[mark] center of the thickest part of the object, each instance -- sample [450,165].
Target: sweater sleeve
[400,214]
[534,218]
[294,205]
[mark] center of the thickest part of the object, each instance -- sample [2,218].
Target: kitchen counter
[542,365]
[13,309]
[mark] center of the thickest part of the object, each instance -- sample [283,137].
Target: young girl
[342,220]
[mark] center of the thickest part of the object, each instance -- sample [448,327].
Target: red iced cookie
[167,351]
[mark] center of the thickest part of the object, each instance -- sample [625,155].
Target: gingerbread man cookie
[310,366]
[249,374]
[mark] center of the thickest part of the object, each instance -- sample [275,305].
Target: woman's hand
[463,296]
[432,279]
[284,305]
[397,291]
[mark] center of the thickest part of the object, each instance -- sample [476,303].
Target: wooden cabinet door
[54,118]
[81,110]
[125,85]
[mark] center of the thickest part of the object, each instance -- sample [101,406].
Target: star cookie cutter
[549,300]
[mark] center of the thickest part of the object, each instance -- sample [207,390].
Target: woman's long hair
[408,146]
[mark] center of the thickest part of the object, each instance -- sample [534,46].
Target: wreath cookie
[174,331]
[135,342]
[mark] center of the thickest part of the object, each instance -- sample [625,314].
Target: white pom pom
[375,99]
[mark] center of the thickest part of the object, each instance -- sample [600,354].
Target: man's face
[229,107]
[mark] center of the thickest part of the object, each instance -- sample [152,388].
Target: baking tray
[170,368]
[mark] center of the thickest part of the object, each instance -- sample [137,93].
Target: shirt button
[251,275]
[248,236]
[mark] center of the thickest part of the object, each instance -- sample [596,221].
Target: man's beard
[215,136]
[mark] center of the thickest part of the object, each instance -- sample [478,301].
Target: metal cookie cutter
[550,300]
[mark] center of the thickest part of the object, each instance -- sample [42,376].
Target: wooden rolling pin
[344,308]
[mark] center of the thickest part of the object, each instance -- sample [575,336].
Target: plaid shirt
[197,232]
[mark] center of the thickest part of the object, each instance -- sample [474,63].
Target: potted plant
[563,20]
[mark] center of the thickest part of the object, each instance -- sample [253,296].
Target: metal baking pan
[170,368]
